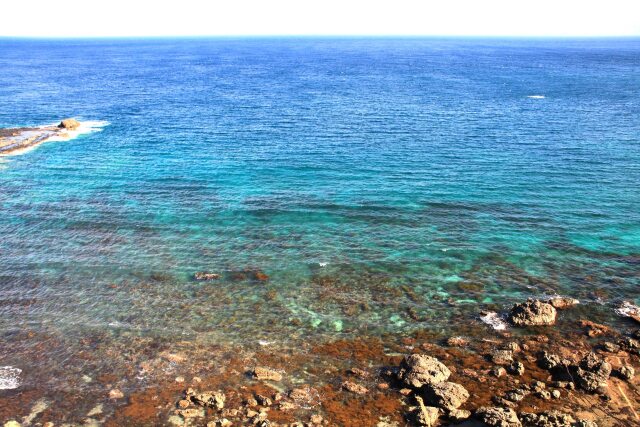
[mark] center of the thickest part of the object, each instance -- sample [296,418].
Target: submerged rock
[354,388]
[417,370]
[563,302]
[205,276]
[498,417]
[446,395]
[533,313]
[262,374]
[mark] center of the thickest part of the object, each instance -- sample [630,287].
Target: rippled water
[382,185]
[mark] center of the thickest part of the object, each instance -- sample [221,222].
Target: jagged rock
[417,370]
[592,373]
[426,415]
[354,388]
[263,400]
[211,399]
[498,417]
[191,412]
[585,423]
[610,347]
[512,346]
[501,357]
[446,395]
[538,386]
[532,313]
[547,419]
[357,372]
[458,415]
[306,396]
[498,371]
[516,368]
[69,124]
[626,372]
[563,302]
[205,276]
[556,394]
[516,395]
[115,394]
[502,402]
[544,395]
[267,374]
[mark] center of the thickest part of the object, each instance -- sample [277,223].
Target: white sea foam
[535,96]
[492,319]
[9,377]
[323,264]
[88,126]
[628,310]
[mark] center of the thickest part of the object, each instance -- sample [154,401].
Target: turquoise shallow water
[383,185]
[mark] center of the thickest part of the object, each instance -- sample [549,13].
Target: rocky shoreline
[534,373]
[16,140]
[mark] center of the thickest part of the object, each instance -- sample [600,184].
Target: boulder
[446,395]
[69,124]
[592,373]
[501,357]
[498,417]
[532,313]
[417,370]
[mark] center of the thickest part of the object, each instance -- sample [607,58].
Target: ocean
[340,187]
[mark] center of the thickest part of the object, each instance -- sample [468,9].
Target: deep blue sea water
[383,185]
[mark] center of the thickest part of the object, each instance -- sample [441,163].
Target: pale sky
[121,18]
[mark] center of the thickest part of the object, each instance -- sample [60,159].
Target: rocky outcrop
[592,373]
[532,313]
[69,124]
[417,370]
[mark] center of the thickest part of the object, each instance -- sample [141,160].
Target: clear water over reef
[381,185]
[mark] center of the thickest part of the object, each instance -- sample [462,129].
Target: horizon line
[302,36]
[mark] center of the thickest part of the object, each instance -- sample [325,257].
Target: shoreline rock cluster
[15,140]
[530,376]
